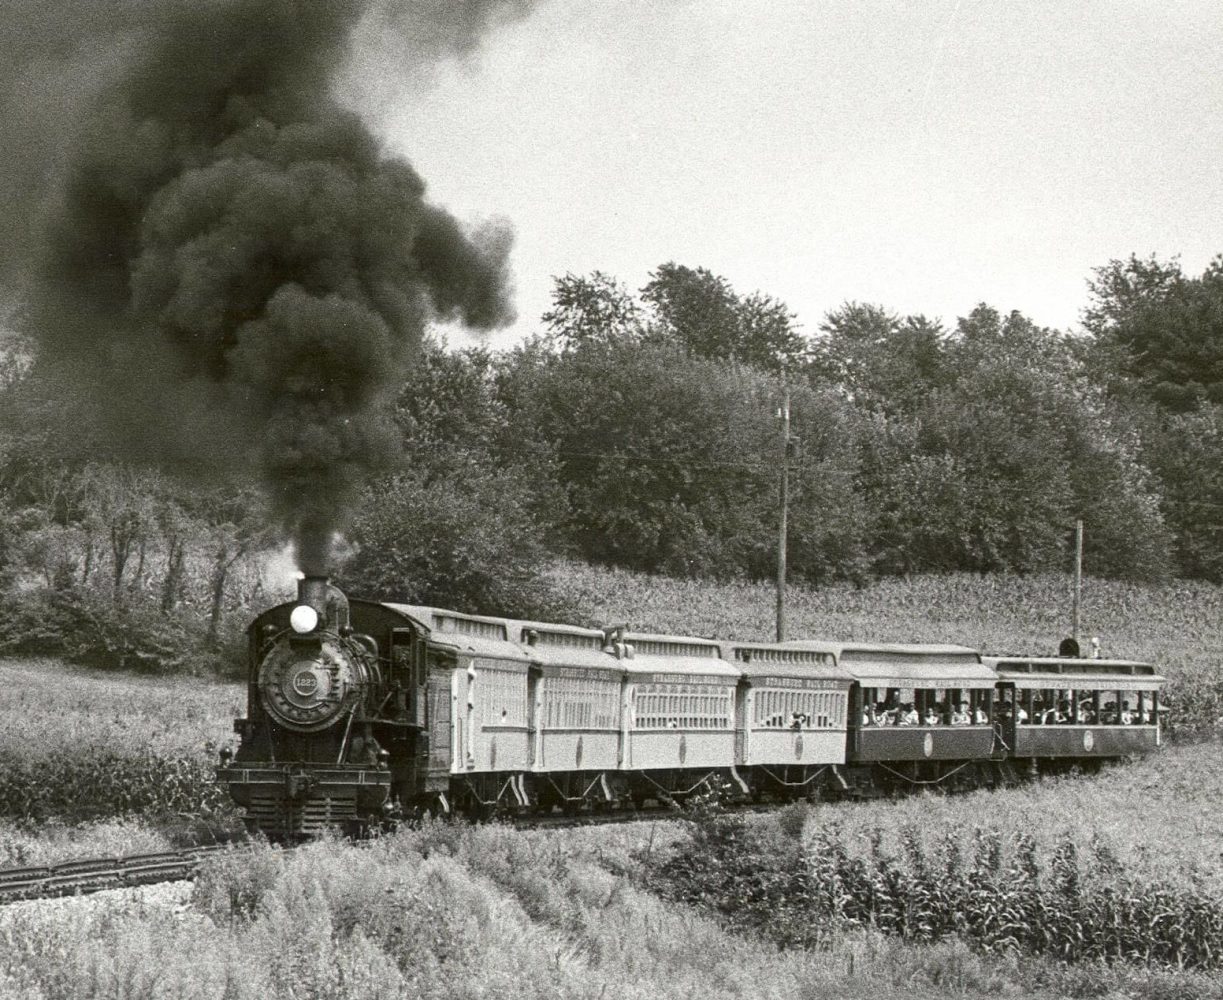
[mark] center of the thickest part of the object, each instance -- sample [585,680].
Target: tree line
[640,430]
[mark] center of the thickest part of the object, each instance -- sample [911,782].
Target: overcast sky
[924,156]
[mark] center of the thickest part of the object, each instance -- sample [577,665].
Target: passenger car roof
[481,635]
[771,659]
[652,653]
[907,665]
[1067,664]
[546,643]
[1076,672]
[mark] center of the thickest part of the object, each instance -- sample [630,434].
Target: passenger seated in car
[932,718]
[1108,714]
[908,715]
[960,716]
[1086,715]
[981,717]
[1127,716]
[1021,714]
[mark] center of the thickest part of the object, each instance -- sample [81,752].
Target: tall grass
[449,912]
[23,844]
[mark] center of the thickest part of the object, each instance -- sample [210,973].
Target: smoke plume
[215,252]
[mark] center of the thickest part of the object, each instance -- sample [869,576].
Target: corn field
[87,785]
[81,745]
[998,894]
[994,892]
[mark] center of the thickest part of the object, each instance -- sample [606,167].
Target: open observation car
[918,714]
[1056,712]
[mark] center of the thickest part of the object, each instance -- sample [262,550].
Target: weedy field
[458,912]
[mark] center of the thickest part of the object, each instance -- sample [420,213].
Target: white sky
[924,156]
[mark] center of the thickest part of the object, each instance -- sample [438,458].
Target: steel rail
[88,875]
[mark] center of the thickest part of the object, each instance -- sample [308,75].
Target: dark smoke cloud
[214,250]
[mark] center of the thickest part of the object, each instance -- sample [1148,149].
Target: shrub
[232,887]
[751,875]
[87,628]
[465,540]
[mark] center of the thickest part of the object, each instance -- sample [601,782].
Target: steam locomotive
[360,712]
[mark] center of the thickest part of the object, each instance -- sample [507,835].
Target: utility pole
[785,510]
[1078,578]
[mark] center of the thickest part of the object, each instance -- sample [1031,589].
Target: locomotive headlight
[303,619]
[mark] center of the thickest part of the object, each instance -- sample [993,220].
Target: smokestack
[226,266]
[328,601]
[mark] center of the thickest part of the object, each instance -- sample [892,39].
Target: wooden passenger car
[793,705]
[934,680]
[1070,708]
[679,708]
[574,718]
[486,729]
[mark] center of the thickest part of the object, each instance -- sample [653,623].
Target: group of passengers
[1037,708]
[1053,711]
[936,714]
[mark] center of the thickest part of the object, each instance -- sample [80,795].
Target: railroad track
[86,875]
